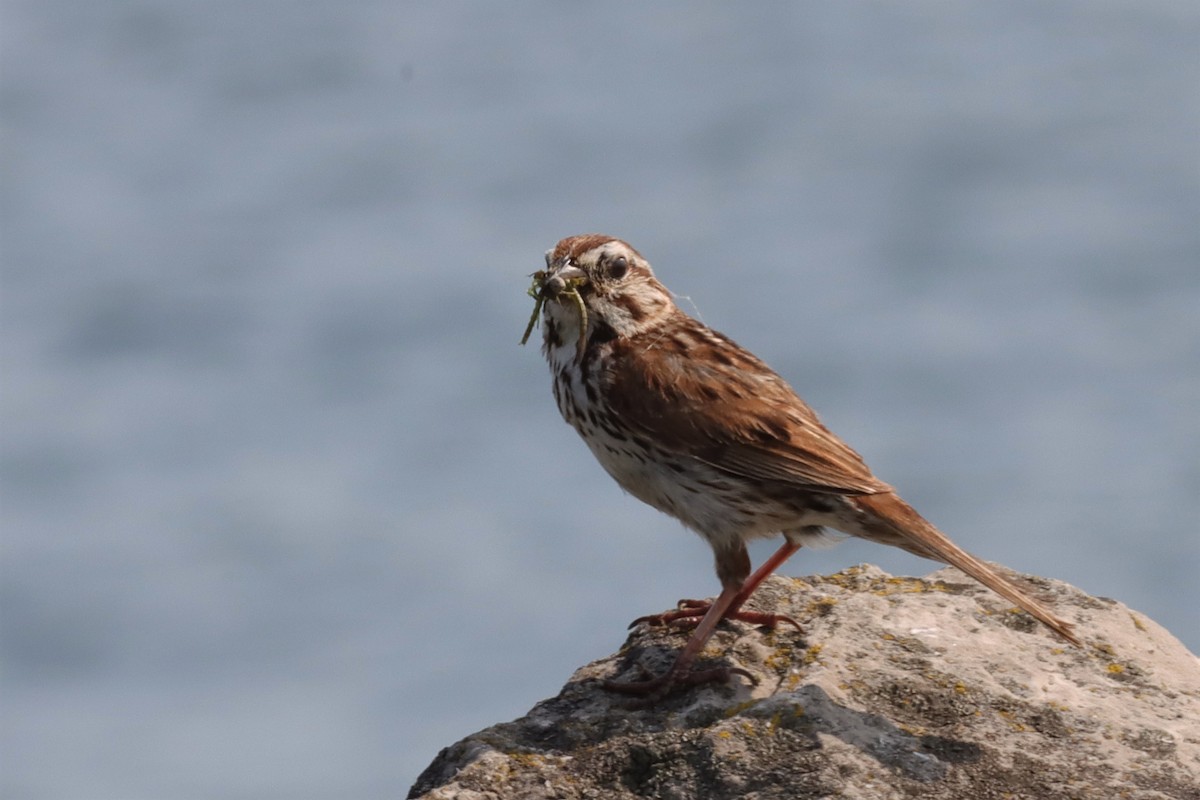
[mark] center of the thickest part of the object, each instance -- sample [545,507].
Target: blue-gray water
[286,509]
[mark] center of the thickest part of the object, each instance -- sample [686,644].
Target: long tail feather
[890,520]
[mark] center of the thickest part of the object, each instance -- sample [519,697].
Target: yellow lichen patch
[1137,623]
[900,585]
[811,654]
[1012,721]
[527,760]
[820,606]
[781,658]
[960,688]
[734,710]
[882,587]
[845,578]
[1115,667]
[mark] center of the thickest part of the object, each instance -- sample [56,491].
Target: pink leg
[690,611]
[726,606]
[678,673]
[762,573]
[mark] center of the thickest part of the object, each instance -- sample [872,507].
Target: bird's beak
[546,286]
[566,278]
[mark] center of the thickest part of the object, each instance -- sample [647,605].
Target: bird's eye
[618,267]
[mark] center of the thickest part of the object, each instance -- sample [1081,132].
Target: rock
[897,688]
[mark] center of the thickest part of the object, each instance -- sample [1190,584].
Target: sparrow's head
[597,286]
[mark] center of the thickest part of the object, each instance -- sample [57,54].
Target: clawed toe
[654,689]
[689,613]
[686,614]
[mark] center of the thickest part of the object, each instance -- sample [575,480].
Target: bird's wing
[720,405]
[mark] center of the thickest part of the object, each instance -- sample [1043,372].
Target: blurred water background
[285,507]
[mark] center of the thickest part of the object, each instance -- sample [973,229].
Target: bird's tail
[888,519]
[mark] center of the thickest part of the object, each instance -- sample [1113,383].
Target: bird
[692,424]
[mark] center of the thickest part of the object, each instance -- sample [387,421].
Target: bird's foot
[690,612]
[652,690]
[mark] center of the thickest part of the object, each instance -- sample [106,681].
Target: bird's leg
[733,567]
[679,674]
[690,612]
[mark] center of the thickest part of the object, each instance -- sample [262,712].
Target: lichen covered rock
[896,688]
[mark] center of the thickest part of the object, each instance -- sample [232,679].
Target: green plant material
[537,290]
[573,292]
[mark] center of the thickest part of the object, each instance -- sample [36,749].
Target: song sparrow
[687,421]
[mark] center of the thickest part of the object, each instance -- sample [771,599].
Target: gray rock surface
[897,688]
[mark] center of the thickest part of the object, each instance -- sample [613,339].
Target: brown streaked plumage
[689,422]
